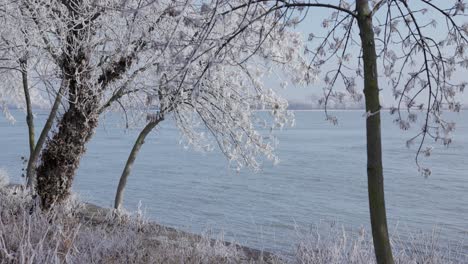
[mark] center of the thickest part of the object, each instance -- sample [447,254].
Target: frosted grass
[63,235]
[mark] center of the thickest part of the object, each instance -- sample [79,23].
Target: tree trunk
[27,97]
[131,160]
[30,170]
[62,154]
[375,180]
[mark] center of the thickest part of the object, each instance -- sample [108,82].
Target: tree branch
[288,4]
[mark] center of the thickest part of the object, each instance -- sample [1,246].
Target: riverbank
[79,232]
[156,234]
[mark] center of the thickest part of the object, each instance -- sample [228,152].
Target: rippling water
[321,177]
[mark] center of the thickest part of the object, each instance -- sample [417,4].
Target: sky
[313,24]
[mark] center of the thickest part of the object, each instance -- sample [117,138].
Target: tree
[375,179]
[188,59]
[221,100]
[418,65]
[179,57]
[18,58]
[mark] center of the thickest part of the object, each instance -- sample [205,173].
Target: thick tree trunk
[27,97]
[383,251]
[62,154]
[131,160]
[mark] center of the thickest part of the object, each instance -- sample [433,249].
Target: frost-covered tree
[18,57]
[400,42]
[187,60]
[222,88]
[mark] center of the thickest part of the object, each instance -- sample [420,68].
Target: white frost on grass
[329,244]
[80,233]
[4,179]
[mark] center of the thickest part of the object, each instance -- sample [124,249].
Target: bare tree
[19,57]
[220,98]
[21,67]
[418,65]
[179,57]
[188,59]
[131,160]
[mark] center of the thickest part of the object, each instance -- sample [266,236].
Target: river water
[321,178]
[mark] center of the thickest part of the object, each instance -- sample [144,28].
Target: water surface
[321,177]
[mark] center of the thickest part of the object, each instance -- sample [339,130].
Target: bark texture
[375,178]
[27,97]
[63,151]
[61,154]
[30,171]
[131,160]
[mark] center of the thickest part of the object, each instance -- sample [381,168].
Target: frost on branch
[421,48]
[208,76]
[18,44]
[202,65]
[420,65]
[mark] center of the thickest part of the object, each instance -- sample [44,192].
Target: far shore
[291,108]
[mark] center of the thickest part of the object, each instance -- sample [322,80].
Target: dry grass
[329,244]
[4,179]
[80,233]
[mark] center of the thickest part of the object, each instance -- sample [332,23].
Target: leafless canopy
[421,46]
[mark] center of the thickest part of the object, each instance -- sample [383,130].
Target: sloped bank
[77,232]
[85,233]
